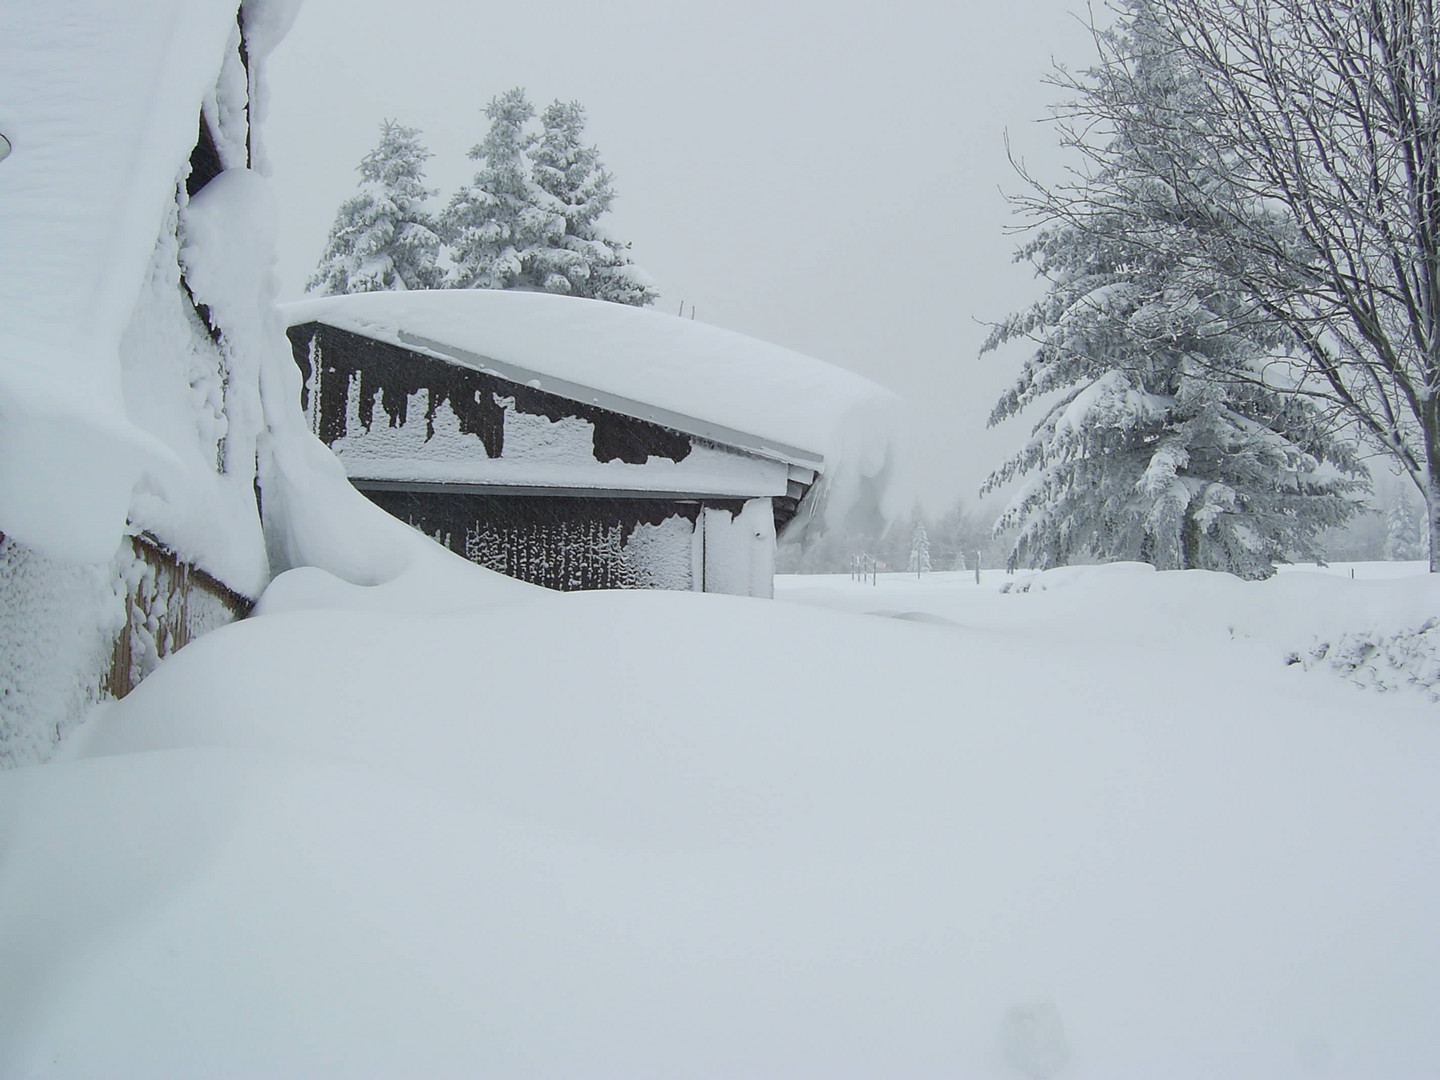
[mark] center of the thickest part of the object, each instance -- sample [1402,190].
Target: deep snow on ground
[1375,624]
[1096,828]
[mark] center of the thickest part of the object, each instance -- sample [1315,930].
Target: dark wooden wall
[559,542]
[397,373]
[562,542]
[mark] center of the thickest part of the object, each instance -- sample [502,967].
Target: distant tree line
[1243,284]
[917,542]
[529,218]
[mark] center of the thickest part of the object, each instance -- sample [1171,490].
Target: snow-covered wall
[101,103]
[139,323]
[739,550]
[57,624]
[662,556]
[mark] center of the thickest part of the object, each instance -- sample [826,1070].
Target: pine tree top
[383,237]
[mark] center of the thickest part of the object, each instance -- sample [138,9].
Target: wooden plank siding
[561,537]
[168,604]
[560,542]
[330,358]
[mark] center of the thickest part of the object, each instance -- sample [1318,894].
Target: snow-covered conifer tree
[495,226]
[919,549]
[1164,439]
[383,238]
[583,260]
[1405,539]
[530,217]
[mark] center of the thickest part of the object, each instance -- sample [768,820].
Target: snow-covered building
[579,445]
[156,470]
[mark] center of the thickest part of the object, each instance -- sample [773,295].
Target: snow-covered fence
[865,568]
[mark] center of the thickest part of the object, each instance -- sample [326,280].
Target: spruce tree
[583,260]
[1404,538]
[919,549]
[495,225]
[383,238]
[1162,440]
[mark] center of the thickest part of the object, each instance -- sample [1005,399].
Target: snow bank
[114,402]
[805,409]
[621,834]
[1376,629]
[100,102]
[120,409]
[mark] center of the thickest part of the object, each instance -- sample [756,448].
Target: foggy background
[825,176]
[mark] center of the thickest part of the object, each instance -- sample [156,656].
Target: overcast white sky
[822,174]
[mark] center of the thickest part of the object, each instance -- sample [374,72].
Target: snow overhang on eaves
[718,433]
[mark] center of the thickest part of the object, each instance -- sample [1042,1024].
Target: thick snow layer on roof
[100,102]
[794,405]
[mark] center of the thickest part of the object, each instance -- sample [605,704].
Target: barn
[577,444]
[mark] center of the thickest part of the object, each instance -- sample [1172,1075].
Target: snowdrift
[1070,831]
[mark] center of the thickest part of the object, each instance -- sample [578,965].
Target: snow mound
[621,834]
[1376,629]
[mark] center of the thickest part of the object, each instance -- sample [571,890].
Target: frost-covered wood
[560,542]
[828,427]
[168,604]
[392,414]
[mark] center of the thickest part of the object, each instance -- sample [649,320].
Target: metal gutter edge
[644,495]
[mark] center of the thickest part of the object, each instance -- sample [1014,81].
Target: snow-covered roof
[680,373]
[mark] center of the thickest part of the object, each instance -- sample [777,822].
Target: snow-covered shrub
[1381,660]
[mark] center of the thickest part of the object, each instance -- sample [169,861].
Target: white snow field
[455,827]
